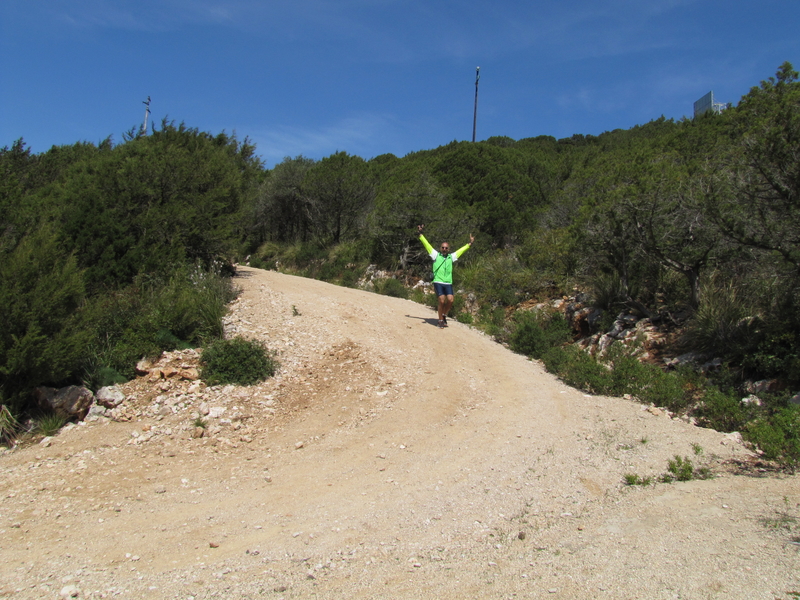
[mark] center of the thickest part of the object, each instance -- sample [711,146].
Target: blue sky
[369,77]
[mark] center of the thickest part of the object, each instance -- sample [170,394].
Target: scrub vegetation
[114,251]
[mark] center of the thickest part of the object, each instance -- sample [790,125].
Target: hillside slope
[388,459]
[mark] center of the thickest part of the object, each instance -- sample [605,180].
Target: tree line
[112,251]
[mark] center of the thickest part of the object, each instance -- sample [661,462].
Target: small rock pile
[169,391]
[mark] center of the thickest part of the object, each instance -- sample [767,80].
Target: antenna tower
[146,114]
[475,114]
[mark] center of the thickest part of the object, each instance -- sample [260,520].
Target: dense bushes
[535,332]
[778,435]
[391,287]
[152,315]
[44,336]
[620,376]
[109,253]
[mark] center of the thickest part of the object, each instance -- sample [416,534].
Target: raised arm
[428,248]
[465,247]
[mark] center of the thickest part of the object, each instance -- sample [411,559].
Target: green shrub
[577,369]
[721,321]
[777,436]
[498,279]
[720,411]
[777,354]
[647,382]
[464,317]
[43,337]
[459,303]
[266,255]
[418,295]
[105,376]
[703,473]
[9,426]
[238,361]
[634,479]
[628,376]
[349,278]
[153,315]
[432,300]
[681,469]
[608,292]
[257,263]
[50,424]
[391,287]
[618,374]
[551,256]
[492,321]
[534,333]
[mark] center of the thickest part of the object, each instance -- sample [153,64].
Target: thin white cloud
[404,30]
[354,134]
[139,15]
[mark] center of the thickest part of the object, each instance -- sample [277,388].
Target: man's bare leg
[445,304]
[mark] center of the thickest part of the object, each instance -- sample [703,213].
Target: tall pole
[475,114]
[146,113]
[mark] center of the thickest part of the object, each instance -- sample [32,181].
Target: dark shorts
[443,289]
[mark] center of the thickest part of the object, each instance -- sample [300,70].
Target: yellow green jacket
[442,265]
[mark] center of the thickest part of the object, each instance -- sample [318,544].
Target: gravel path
[388,459]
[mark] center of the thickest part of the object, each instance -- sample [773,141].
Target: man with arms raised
[443,272]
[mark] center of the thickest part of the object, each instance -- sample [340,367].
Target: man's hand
[471,239]
[420,228]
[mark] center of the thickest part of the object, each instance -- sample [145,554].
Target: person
[443,272]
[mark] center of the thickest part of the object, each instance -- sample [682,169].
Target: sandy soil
[388,459]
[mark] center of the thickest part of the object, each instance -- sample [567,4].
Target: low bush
[237,361]
[342,263]
[777,354]
[777,436]
[492,321]
[459,304]
[647,382]
[50,424]
[464,317]
[628,376]
[391,287]
[577,369]
[665,389]
[608,293]
[634,479]
[721,411]
[9,426]
[418,295]
[681,468]
[722,320]
[533,333]
[619,373]
[349,278]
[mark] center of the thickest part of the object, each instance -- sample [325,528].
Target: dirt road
[388,459]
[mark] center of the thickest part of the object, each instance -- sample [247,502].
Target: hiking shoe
[444,320]
[442,324]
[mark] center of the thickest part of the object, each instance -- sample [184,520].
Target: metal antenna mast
[475,114]
[146,114]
